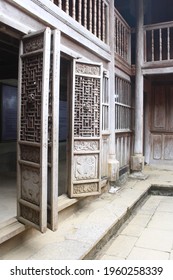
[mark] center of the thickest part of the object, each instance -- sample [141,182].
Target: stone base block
[138,176]
[137,163]
[113,170]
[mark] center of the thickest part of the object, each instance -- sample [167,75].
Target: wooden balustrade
[158,40]
[122,38]
[92,14]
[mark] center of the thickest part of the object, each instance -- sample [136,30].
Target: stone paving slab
[165,206]
[141,219]
[151,204]
[107,257]
[162,221]
[133,230]
[147,254]
[65,250]
[156,239]
[121,246]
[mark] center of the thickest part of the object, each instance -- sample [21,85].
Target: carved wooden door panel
[162,124]
[86,130]
[33,101]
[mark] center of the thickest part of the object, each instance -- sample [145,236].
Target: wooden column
[138,148]
[113,164]
[137,162]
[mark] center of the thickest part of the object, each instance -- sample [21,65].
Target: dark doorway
[9,51]
[64,133]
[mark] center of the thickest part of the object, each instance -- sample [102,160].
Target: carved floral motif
[86,145]
[29,153]
[31,185]
[87,69]
[34,44]
[85,167]
[30,214]
[85,188]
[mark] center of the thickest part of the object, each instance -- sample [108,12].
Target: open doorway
[9,56]
[9,50]
[158,121]
[64,126]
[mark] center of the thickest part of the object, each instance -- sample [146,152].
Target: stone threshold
[12,227]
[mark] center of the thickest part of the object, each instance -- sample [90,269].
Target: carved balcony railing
[158,43]
[92,14]
[122,43]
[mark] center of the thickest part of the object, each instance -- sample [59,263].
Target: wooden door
[86,130]
[162,124]
[38,128]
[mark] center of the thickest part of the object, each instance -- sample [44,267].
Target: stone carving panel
[85,167]
[87,69]
[34,44]
[29,153]
[86,146]
[30,214]
[30,182]
[85,188]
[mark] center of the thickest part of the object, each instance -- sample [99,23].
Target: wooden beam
[156,71]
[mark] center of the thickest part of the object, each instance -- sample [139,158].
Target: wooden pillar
[113,164]
[137,161]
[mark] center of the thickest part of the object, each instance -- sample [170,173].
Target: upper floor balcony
[122,43]
[158,45]
[92,14]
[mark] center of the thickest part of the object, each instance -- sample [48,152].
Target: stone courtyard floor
[128,224]
[147,236]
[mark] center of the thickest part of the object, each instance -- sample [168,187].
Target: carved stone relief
[30,184]
[30,153]
[33,44]
[86,146]
[29,214]
[85,188]
[87,69]
[85,167]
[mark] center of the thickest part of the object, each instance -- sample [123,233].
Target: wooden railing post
[67,7]
[168,46]
[74,9]
[157,49]
[92,14]
[122,38]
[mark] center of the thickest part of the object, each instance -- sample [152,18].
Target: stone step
[10,228]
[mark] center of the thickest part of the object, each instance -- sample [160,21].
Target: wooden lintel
[155,71]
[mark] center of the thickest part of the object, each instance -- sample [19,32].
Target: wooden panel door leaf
[86,129]
[33,113]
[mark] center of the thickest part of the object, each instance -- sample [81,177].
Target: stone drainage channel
[145,232]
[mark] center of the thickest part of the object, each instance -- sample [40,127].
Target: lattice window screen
[87,107]
[123,104]
[105,102]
